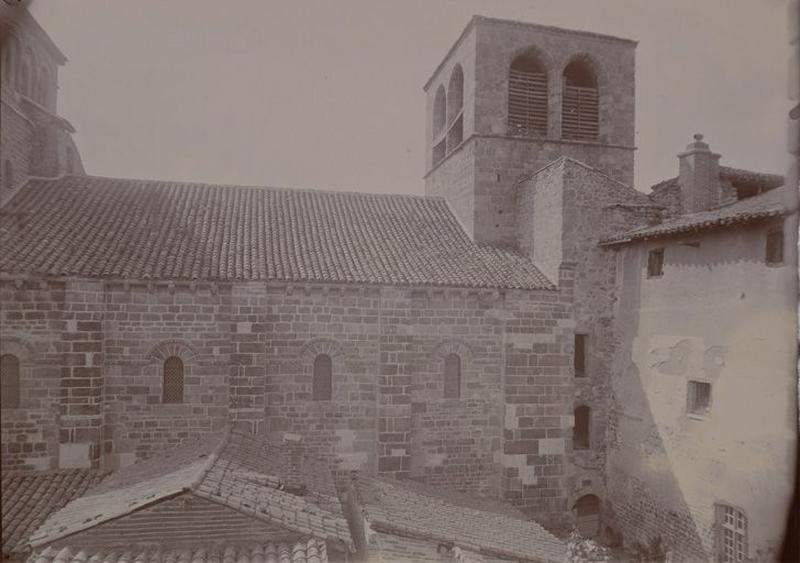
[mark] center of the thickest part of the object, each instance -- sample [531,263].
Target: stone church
[533,329]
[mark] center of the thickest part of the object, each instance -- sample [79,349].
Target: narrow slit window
[9,381]
[655,263]
[698,397]
[452,376]
[581,430]
[775,247]
[172,391]
[580,355]
[322,384]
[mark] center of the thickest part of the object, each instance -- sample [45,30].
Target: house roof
[772,203]
[736,175]
[469,523]
[29,498]
[307,550]
[135,229]
[230,468]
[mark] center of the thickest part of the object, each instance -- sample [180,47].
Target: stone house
[494,336]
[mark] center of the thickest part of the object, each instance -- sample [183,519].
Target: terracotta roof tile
[309,550]
[29,498]
[270,482]
[772,203]
[113,228]
[405,508]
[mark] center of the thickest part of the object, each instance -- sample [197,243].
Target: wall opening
[580,354]
[580,103]
[655,263]
[731,534]
[9,382]
[322,385]
[587,516]
[527,97]
[172,389]
[698,397]
[581,430]
[775,247]
[452,376]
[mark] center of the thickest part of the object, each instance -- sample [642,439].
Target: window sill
[697,416]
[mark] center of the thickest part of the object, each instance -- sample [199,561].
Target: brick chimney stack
[698,176]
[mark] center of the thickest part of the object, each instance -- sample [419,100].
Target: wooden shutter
[527,103]
[579,113]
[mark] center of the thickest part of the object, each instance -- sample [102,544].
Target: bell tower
[511,97]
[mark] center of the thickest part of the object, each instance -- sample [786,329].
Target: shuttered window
[655,263]
[322,384]
[9,381]
[580,104]
[452,376]
[172,391]
[527,98]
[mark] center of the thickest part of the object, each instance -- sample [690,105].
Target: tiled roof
[234,469]
[29,498]
[308,550]
[768,204]
[735,175]
[738,175]
[102,227]
[395,506]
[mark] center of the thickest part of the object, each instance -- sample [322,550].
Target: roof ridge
[212,459]
[188,183]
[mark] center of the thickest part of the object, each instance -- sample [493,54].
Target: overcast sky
[328,94]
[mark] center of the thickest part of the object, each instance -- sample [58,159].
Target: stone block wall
[16,140]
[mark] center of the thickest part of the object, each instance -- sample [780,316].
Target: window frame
[318,392]
[721,526]
[772,232]
[651,270]
[691,397]
[582,337]
[448,377]
[164,386]
[588,440]
[17,396]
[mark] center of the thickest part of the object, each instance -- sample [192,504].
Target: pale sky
[328,94]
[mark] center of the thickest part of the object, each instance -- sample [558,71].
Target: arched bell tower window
[172,390]
[455,106]
[9,381]
[439,121]
[322,386]
[580,103]
[527,97]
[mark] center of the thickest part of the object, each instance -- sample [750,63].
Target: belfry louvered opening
[580,103]
[527,97]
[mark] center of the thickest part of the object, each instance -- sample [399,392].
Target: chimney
[698,176]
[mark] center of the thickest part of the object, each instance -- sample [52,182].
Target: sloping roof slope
[407,509]
[768,204]
[308,550]
[230,468]
[102,227]
[29,498]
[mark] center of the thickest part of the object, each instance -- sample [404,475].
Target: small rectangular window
[698,397]
[655,263]
[775,247]
[580,355]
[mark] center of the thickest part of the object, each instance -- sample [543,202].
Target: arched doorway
[587,516]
